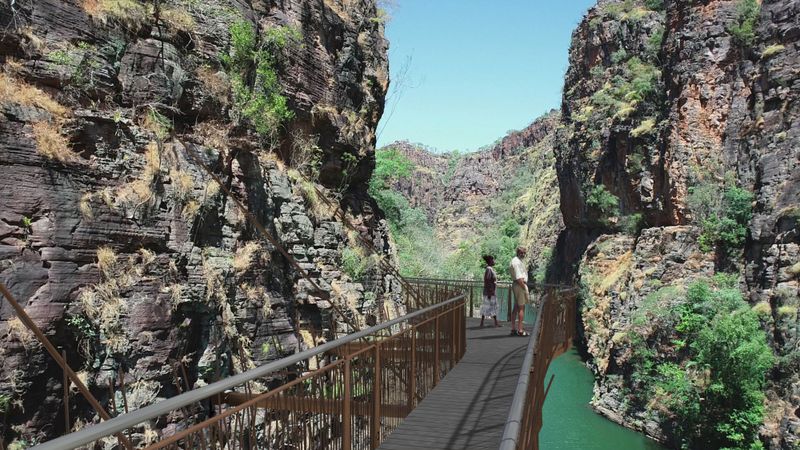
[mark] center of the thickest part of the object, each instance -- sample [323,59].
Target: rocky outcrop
[127,138]
[665,102]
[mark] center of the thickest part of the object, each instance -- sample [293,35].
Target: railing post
[471,308]
[412,384]
[436,352]
[454,314]
[347,427]
[375,432]
[509,301]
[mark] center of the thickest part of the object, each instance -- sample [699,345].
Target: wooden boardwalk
[468,409]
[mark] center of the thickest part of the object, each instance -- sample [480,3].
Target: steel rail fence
[552,335]
[364,385]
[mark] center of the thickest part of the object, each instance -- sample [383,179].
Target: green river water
[569,421]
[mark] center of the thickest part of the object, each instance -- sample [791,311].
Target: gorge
[147,146]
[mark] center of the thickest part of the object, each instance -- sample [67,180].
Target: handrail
[125,421]
[553,332]
[531,284]
[513,426]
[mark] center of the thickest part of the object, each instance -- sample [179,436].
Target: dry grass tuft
[213,134]
[266,157]
[85,206]
[51,144]
[13,90]
[216,83]
[182,184]
[19,331]
[106,261]
[190,210]
[31,42]
[103,303]
[140,191]
[129,12]
[176,295]
[177,18]
[244,256]
[13,66]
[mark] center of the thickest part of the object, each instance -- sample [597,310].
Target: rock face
[664,101]
[127,138]
[464,194]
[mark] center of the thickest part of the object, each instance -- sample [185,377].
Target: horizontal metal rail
[126,421]
[553,332]
[511,433]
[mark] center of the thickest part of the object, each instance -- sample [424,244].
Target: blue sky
[477,68]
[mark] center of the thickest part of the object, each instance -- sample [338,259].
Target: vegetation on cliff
[711,385]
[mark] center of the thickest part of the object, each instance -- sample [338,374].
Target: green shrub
[744,27]
[452,163]
[619,56]
[655,41]
[606,203]
[655,5]
[635,163]
[726,228]
[646,127]
[257,93]
[5,402]
[633,87]
[390,165]
[714,385]
[354,263]
[632,224]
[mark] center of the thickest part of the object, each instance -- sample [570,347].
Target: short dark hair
[489,259]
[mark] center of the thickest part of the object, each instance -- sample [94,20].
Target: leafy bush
[619,56]
[655,5]
[631,90]
[644,128]
[632,224]
[354,263]
[257,94]
[713,386]
[606,203]
[654,42]
[726,228]
[743,29]
[390,165]
[452,163]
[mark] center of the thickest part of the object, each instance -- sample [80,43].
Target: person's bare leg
[513,318]
[520,317]
[482,320]
[496,324]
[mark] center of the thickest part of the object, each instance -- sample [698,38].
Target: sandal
[522,333]
[513,332]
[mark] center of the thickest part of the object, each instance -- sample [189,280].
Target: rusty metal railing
[553,333]
[362,387]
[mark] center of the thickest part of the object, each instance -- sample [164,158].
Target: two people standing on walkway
[519,286]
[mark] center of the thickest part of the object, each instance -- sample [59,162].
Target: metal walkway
[469,408]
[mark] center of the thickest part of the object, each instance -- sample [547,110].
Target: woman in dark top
[489,306]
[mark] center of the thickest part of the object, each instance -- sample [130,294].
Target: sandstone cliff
[466,197]
[671,109]
[115,237]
